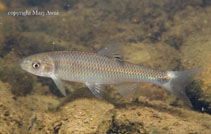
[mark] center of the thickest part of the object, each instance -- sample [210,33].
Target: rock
[79,116]
[154,119]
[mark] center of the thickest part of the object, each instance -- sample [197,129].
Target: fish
[105,67]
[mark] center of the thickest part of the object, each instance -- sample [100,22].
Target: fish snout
[23,63]
[20,62]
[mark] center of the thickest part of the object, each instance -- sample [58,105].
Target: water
[160,34]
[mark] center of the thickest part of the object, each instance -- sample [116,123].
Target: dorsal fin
[111,51]
[117,57]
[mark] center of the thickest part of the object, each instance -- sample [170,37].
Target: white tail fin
[178,81]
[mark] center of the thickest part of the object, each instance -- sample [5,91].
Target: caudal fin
[178,81]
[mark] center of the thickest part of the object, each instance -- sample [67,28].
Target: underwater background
[160,34]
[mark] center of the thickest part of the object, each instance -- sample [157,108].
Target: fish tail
[178,81]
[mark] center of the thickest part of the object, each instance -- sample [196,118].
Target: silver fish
[98,69]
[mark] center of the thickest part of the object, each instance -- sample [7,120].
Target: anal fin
[127,90]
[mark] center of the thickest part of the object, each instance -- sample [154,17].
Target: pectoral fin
[127,90]
[60,85]
[96,89]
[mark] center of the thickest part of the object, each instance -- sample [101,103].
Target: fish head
[38,64]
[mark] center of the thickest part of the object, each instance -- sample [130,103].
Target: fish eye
[36,65]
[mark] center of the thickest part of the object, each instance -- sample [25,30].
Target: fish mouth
[20,62]
[23,63]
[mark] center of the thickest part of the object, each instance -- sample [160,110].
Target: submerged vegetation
[161,34]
